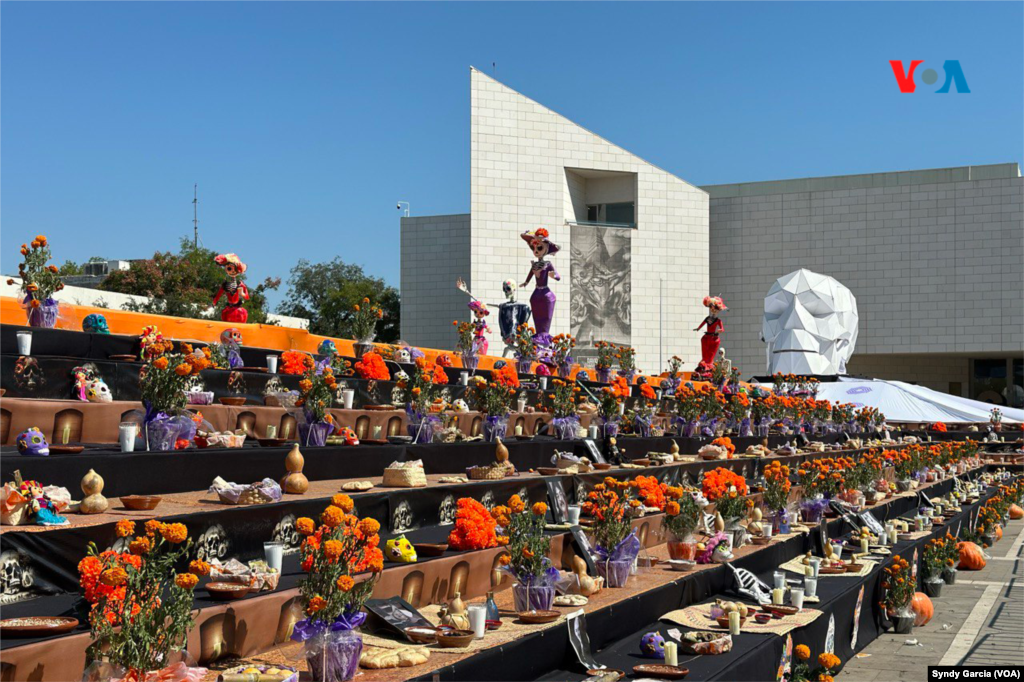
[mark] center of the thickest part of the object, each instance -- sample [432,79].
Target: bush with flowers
[333,554]
[828,665]
[464,333]
[141,607]
[626,355]
[525,347]
[610,403]
[494,398]
[821,477]
[474,527]
[371,366]
[612,505]
[521,531]
[777,487]
[605,359]
[424,395]
[39,282]
[727,490]
[561,353]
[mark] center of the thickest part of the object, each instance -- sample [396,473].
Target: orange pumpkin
[971,557]
[1016,512]
[923,609]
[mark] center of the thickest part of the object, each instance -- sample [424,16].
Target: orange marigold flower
[540,509]
[332,549]
[344,502]
[515,503]
[152,527]
[124,528]
[315,604]
[199,567]
[504,559]
[827,660]
[345,583]
[304,526]
[186,581]
[174,533]
[113,577]
[139,546]
[183,370]
[160,363]
[332,517]
[802,651]
[369,526]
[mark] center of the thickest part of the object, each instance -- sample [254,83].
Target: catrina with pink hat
[233,288]
[542,302]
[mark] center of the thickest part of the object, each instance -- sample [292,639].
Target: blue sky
[304,123]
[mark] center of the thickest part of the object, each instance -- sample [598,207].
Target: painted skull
[652,645]
[231,336]
[401,376]
[509,288]
[27,374]
[402,355]
[95,323]
[97,391]
[400,550]
[349,435]
[33,443]
[327,347]
[810,324]
[460,405]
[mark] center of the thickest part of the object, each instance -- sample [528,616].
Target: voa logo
[951,67]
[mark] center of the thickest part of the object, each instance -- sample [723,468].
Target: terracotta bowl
[140,502]
[660,671]
[450,639]
[233,400]
[760,540]
[783,610]
[547,471]
[430,549]
[420,634]
[762,618]
[724,621]
[602,466]
[227,591]
[535,617]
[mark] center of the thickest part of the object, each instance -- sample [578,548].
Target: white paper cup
[24,343]
[274,554]
[810,587]
[796,597]
[478,619]
[126,436]
[574,514]
[766,530]
[815,567]
[272,364]
[464,378]
[592,432]
[780,580]
[543,383]
[347,396]
[521,404]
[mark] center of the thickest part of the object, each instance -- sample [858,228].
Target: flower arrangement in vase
[899,585]
[739,408]
[683,511]
[564,396]
[39,282]
[643,410]
[165,381]
[474,527]
[605,360]
[494,398]
[933,564]
[332,555]
[626,355]
[673,377]
[141,608]
[727,490]
[421,393]
[615,546]
[521,532]
[525,348]
[688,411]
[316,396]
[777,487]
[363,321]
[610,404]
[762,412]
[802,671]
[821,477]
[464,344]
[561,354]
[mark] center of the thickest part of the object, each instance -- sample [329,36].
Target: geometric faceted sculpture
[810,324]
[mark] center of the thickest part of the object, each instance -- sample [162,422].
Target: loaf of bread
[376,658]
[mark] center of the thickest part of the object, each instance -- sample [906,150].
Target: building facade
[633,238]
[935,259]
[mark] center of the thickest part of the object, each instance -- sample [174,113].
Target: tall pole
[661,320]
[195,215]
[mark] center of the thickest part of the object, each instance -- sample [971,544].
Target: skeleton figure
[212,544]
[810,324]
[749,585]
[401,519]
[511,314]
[27,374]
[285,533]
[16,577]
[488,500]
[233,288]
[581,492]
[446,512]
[231,342]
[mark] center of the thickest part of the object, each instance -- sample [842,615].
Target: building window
[990,380]
[1015,392]
[620,214]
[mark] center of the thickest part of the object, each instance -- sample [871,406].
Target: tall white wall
[934,257]
[519,153]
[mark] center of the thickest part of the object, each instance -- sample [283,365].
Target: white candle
[271,431]
[778,594]
[864,545]
[67,433]
[272,364]
[376,433]
[519,429]
[672,653]
[734,622]
[780,580]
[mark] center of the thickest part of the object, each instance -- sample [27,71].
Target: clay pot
[294,482]
[92,487]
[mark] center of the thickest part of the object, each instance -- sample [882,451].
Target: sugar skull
[95,323]
[810,324]
[444,360]
[327,348]
[401,377]
[27,374]
[349,435]
[231,336]
[33,443]
[509,288]
[400,550]
[460,405]
[402,355]
[97,391]
[652,645]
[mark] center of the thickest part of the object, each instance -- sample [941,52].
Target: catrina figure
[480,313]
[234,289]
[711,340]
[542,302]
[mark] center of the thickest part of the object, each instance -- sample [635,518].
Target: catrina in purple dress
[542,302]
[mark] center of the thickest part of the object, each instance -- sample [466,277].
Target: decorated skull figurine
[95,323]
[327,348]
[460,405]
[402,355]
[97,391]
[33,443]
[652,645]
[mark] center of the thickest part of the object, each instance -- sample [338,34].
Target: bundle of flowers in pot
[906,463]
[363,323]
[802,671]
[141,607]
[673,378]
[688,410]
[899,586]
[683,513]
[605,360]
[475,528]
[739,408]
[564,396]
[525,348]
[821,479]
[316,396]
[333,554]
[727,490]
[165,381]
[643,410]
[712,407]
[39,282]
[465,344]
[933,565]
[777,487]
[421,392]
[626,355]
[615,545]
[521,531]
[494,398]
[610,406]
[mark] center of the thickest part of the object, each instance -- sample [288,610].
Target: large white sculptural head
[810,324]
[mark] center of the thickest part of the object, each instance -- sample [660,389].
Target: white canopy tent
[902,402]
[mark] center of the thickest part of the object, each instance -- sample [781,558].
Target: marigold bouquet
[688,403]
[371,366]
[821,477]
[650,491]
[682,513]
[611,398]
[526,349]
[316,394]
[933,560]
[727,490]
[39,281]
[425,386]
[561,349]
[141,608]
[165,379]
[802,671]
[777,486]
[610,504]
[495,397]
[940,427]
[605,354]
[626,355]
[522,534]
[474,527]
[899,586]
[563,397]
[364,320]
[464,332]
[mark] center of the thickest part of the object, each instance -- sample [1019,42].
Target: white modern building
[622,225]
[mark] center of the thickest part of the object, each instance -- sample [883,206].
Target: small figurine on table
[511,314]
[231,342]
[233,288]
[542,301]
[480,313]
[95,323]
[42,509]
[711,340]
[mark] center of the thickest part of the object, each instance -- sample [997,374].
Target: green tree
[183,285]
[70,269]
[325,294]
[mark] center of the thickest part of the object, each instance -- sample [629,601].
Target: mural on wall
[599,295]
